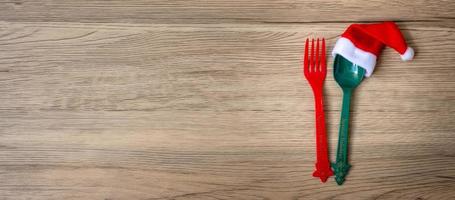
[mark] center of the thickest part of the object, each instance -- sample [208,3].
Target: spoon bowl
[347,74]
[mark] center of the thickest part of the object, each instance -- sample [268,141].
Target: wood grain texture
[118,100]
[222,11]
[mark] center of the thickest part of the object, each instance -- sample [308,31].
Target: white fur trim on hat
[364,59]
[408,54]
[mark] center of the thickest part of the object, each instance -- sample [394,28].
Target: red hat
[362,44]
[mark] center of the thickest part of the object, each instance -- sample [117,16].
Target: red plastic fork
[315,70]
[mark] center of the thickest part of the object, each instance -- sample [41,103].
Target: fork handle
[323,170]
[342,166]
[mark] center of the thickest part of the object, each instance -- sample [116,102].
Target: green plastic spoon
[348,75]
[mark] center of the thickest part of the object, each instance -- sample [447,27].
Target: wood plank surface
[199,100]
[222,11]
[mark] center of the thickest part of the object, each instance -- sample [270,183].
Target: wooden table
[205,99]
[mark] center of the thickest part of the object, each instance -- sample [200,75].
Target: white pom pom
[408,55]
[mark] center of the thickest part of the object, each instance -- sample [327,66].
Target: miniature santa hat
[362,44]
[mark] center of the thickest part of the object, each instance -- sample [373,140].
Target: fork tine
[305,59]
[312,56]
[323,61]
[316,58]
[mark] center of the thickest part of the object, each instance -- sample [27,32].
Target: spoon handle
[341,167]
